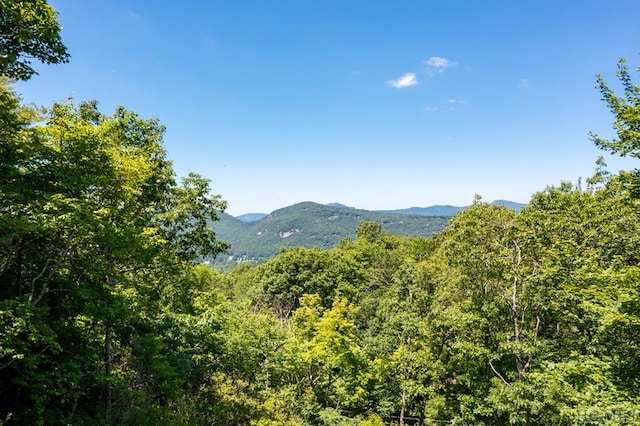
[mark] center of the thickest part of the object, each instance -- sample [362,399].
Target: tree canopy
[108,314]
[626,111]
[92,223]
[29,29]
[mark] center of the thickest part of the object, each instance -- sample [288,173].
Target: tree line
[108,316]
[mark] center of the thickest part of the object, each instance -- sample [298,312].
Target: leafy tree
[28,30]
[403,347]
[93,225]
[626,111]
[298,271]
[323,356]
[527,320]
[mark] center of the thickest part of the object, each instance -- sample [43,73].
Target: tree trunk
[423,408]
[108,358]
[107,368]
[402,408]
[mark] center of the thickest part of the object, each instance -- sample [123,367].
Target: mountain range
[256,237]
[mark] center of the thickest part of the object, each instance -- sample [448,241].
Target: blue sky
[374,104]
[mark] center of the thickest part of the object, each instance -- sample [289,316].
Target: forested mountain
[437,210]
[109,316]
[309,225]
[257,237]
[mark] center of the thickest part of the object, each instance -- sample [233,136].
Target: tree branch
[499,375]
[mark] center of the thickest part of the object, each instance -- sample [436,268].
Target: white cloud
[409,79]
[524,83]
[452,103]
[431,109]
[438,64]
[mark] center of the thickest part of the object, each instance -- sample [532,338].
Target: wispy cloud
[524,84]
[453,103]
[407,80]
[438,64]
[449,104]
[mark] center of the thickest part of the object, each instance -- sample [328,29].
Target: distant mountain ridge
[512,205]
[251,217]
[448,210]
[256,237]
[436,210]
[309,225]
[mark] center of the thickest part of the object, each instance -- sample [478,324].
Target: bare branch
[499,375]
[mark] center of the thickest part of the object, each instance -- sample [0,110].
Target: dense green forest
[107,315]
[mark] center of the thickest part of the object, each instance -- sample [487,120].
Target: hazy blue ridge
[509,204]
[447,210]
[427,211]
[251,217]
